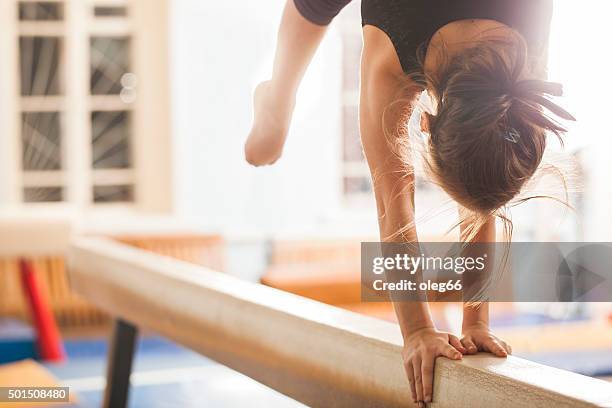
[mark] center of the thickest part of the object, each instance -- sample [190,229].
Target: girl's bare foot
[270,125]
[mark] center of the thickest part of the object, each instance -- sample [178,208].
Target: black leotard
[410,24]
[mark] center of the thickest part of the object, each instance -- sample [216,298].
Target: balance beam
[34,235]
[314,353]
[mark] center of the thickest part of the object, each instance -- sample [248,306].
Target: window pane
[109,63]
[110,11]
[41,147]
[111,140]
[352,150]
[39,59]
[113,194]
[356,185]
[43,194]
[41,11]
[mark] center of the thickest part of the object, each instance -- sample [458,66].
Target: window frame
[151,172]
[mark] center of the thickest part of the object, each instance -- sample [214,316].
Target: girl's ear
[425,122]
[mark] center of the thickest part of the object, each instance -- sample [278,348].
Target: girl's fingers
[410,375]
[427,371]
[456,343]
[420,366]
[450,352]
[418,378]
[494,347]
[469,345]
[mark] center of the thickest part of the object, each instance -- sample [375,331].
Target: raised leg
[298,39]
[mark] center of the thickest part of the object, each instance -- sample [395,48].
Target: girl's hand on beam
[421,348]
[477,337]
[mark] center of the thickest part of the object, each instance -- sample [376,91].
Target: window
[110,11]
[41,10]
[75,133]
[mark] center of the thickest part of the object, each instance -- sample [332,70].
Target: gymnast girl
[483,65]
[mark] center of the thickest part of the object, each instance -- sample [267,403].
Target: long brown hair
[488,135]
[487,130]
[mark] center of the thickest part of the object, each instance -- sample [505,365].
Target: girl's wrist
[413,330]
[476,316]
[413,317]
[476,324]
[412,326]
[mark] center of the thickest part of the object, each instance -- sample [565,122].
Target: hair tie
[511,135]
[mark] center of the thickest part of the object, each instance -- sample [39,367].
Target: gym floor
[165,375]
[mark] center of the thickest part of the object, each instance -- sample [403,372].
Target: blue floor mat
[165,375]
[594,363]
[528,319]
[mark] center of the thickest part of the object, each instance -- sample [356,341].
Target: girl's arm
[475,328]
[381,78]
